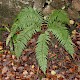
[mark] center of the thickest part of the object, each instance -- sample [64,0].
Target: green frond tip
[42,51]
[62,34]
[59,16]
[28,17]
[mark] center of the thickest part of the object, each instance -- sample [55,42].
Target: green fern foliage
[23,38]
[56,24]
[58,16]
[28,17]
[28,22]
[42,50]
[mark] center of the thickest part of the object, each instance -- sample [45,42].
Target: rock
[39,4]
[76,4]
[10,8]
[73,14]
[47,10]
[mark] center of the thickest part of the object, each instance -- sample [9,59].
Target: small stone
[63,7]
[53,72]
[32,66]
[71,22]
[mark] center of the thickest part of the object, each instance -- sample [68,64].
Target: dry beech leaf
[14,68]
[24,58]
[4,70]
[31,73]
[54,77]
[25,72]
[59,75]
[74,69]
[7,78]
[71,70]
[1,47]
[13,56]
[78,42]
[1,43]
[44,79]
[54,67]
[18,79]
[56,46]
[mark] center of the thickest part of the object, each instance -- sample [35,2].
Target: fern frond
[22,39]
[28,17]
[62,34]
[59,16]
[56,23]
[42,51]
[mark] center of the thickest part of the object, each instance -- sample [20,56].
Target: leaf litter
[61,66]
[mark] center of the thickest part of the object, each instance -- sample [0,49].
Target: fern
[26,18]
[22,39]
[58,16]
[42,50]
[57,26]
[28,22]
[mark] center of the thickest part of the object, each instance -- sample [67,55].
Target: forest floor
[61,65]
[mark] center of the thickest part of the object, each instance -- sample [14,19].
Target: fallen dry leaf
[25,72]
[59,76]
[4,70]
[44,79]
[14,68]
[1,47]
[78,42]
[24,58]
[1,43]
